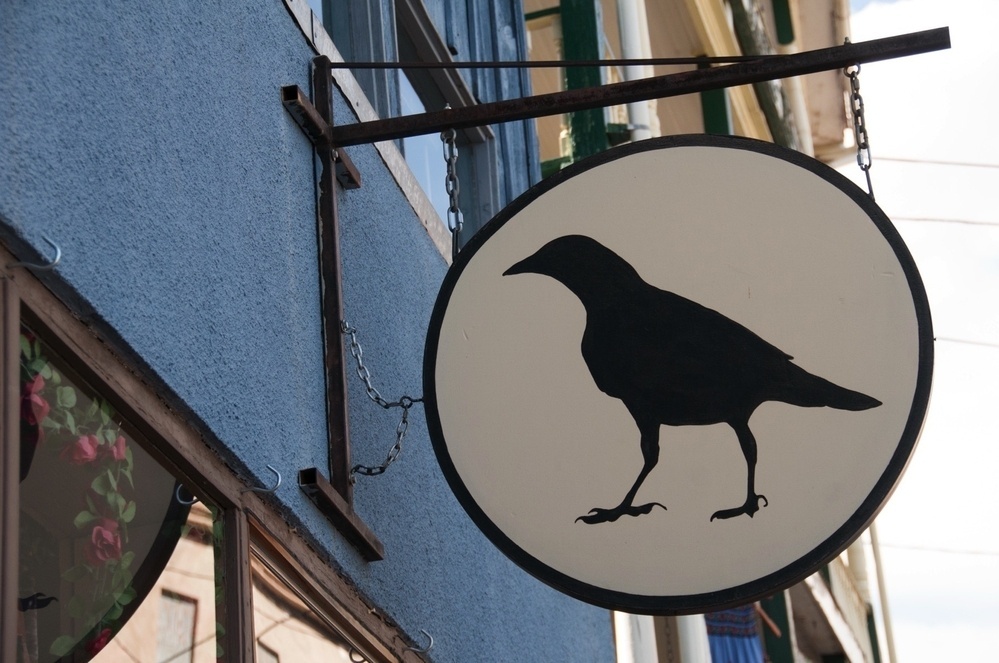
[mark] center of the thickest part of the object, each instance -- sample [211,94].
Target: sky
[928,116]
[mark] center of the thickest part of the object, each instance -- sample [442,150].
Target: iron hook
[357,660]
[429,647]
[176,494]
[266,490]
[42,268]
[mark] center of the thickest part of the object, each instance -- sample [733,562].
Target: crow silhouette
[36,601]
[673,361]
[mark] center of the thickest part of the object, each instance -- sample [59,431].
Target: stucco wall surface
[149,142]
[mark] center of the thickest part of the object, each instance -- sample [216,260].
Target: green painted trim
[618,133]
[872,632]
[552,166]
[542,13]
[716,111]
[779,649]
[581,41]
[783,22]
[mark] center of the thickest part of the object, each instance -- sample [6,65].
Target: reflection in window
[424,154]
[265,655]
[175,629]
[288,626]
[102,529]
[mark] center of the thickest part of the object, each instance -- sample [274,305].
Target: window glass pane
[265,655]
[105,533]
[317,8]
[424,154]
[288,626]
[175,628]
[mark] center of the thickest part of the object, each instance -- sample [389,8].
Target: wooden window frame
[419,39]
[182,445]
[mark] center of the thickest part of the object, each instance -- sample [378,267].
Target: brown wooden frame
[183,448]
[10,453]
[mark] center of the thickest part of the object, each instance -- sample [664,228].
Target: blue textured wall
[149,142]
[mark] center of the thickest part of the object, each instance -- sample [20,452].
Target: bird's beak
[522,267]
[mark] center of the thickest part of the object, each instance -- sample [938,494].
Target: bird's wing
[710,332]
[670,350]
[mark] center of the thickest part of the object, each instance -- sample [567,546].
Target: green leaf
[111,478]
[127,596]
[128,459]
[83,519]
[37,365]
[71,423]
[76,607]
[62,645]
[128,475]
[109,435]
[120,580]
[128,513]
[114,612]
[76,573]
[100,485]
[101,605]
[56,378]
[127,559]
[115,501]
[25,347]
[66,397]
[106,412]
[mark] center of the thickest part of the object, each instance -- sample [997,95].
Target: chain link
[860,125]
[404,402]
[454,220]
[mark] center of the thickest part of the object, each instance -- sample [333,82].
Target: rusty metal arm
[660,87]
[311,123]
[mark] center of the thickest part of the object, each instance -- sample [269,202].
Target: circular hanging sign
[680,375]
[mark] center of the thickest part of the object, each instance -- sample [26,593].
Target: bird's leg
[752,504]
[650,454]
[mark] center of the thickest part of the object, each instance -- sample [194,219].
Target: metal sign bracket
[743,72]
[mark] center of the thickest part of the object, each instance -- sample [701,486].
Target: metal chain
[404,402]
[454,221]
[860,125]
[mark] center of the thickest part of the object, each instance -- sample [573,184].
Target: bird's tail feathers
[807,390]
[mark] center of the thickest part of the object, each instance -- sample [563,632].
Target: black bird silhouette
[36,601]
[673,361]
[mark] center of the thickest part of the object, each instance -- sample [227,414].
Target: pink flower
[105,542]
[83,451]
[118,448]
[34,408]
[99,642]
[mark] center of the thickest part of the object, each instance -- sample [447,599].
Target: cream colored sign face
[681,375]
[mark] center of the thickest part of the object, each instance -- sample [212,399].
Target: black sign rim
[764,586]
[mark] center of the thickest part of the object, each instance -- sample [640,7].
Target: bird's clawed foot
[751,506]
[610,515]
